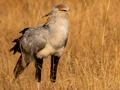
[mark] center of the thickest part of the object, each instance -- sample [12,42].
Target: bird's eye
[64,10]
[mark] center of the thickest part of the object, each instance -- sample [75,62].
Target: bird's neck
[58,24]
[58,32]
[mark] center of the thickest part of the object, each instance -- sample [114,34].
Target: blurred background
[91,60]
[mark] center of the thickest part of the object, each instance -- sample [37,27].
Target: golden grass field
[91,60]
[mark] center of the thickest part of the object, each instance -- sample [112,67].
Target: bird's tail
[23,60]
[18,68]
[21,65]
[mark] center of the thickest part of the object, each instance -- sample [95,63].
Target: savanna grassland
[91,60]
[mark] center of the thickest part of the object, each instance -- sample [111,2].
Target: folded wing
[33,40]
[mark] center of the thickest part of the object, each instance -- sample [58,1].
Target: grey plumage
[38,42]
[34,40]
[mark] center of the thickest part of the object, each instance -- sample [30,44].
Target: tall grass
[91,60]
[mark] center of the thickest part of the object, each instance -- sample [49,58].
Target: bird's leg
[19,68]
[38,66]
[38,85]
[54,65]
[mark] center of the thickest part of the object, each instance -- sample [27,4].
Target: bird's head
[58,10]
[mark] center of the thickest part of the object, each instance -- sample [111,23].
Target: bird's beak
[67,10]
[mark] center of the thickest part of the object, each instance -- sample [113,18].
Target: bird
[39,42]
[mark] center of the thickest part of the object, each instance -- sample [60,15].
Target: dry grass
[92,57]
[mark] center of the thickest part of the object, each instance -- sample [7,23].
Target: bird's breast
[57,38]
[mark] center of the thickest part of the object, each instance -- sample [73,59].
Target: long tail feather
[20,67]
[23,60]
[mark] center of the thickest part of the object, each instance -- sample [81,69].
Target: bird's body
[46,39]
[41,41]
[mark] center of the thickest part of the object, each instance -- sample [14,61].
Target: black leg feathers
[54,65]
[38,66]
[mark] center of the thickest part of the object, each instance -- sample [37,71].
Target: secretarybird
[37,43]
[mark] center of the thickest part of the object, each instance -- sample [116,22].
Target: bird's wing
[33,40]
